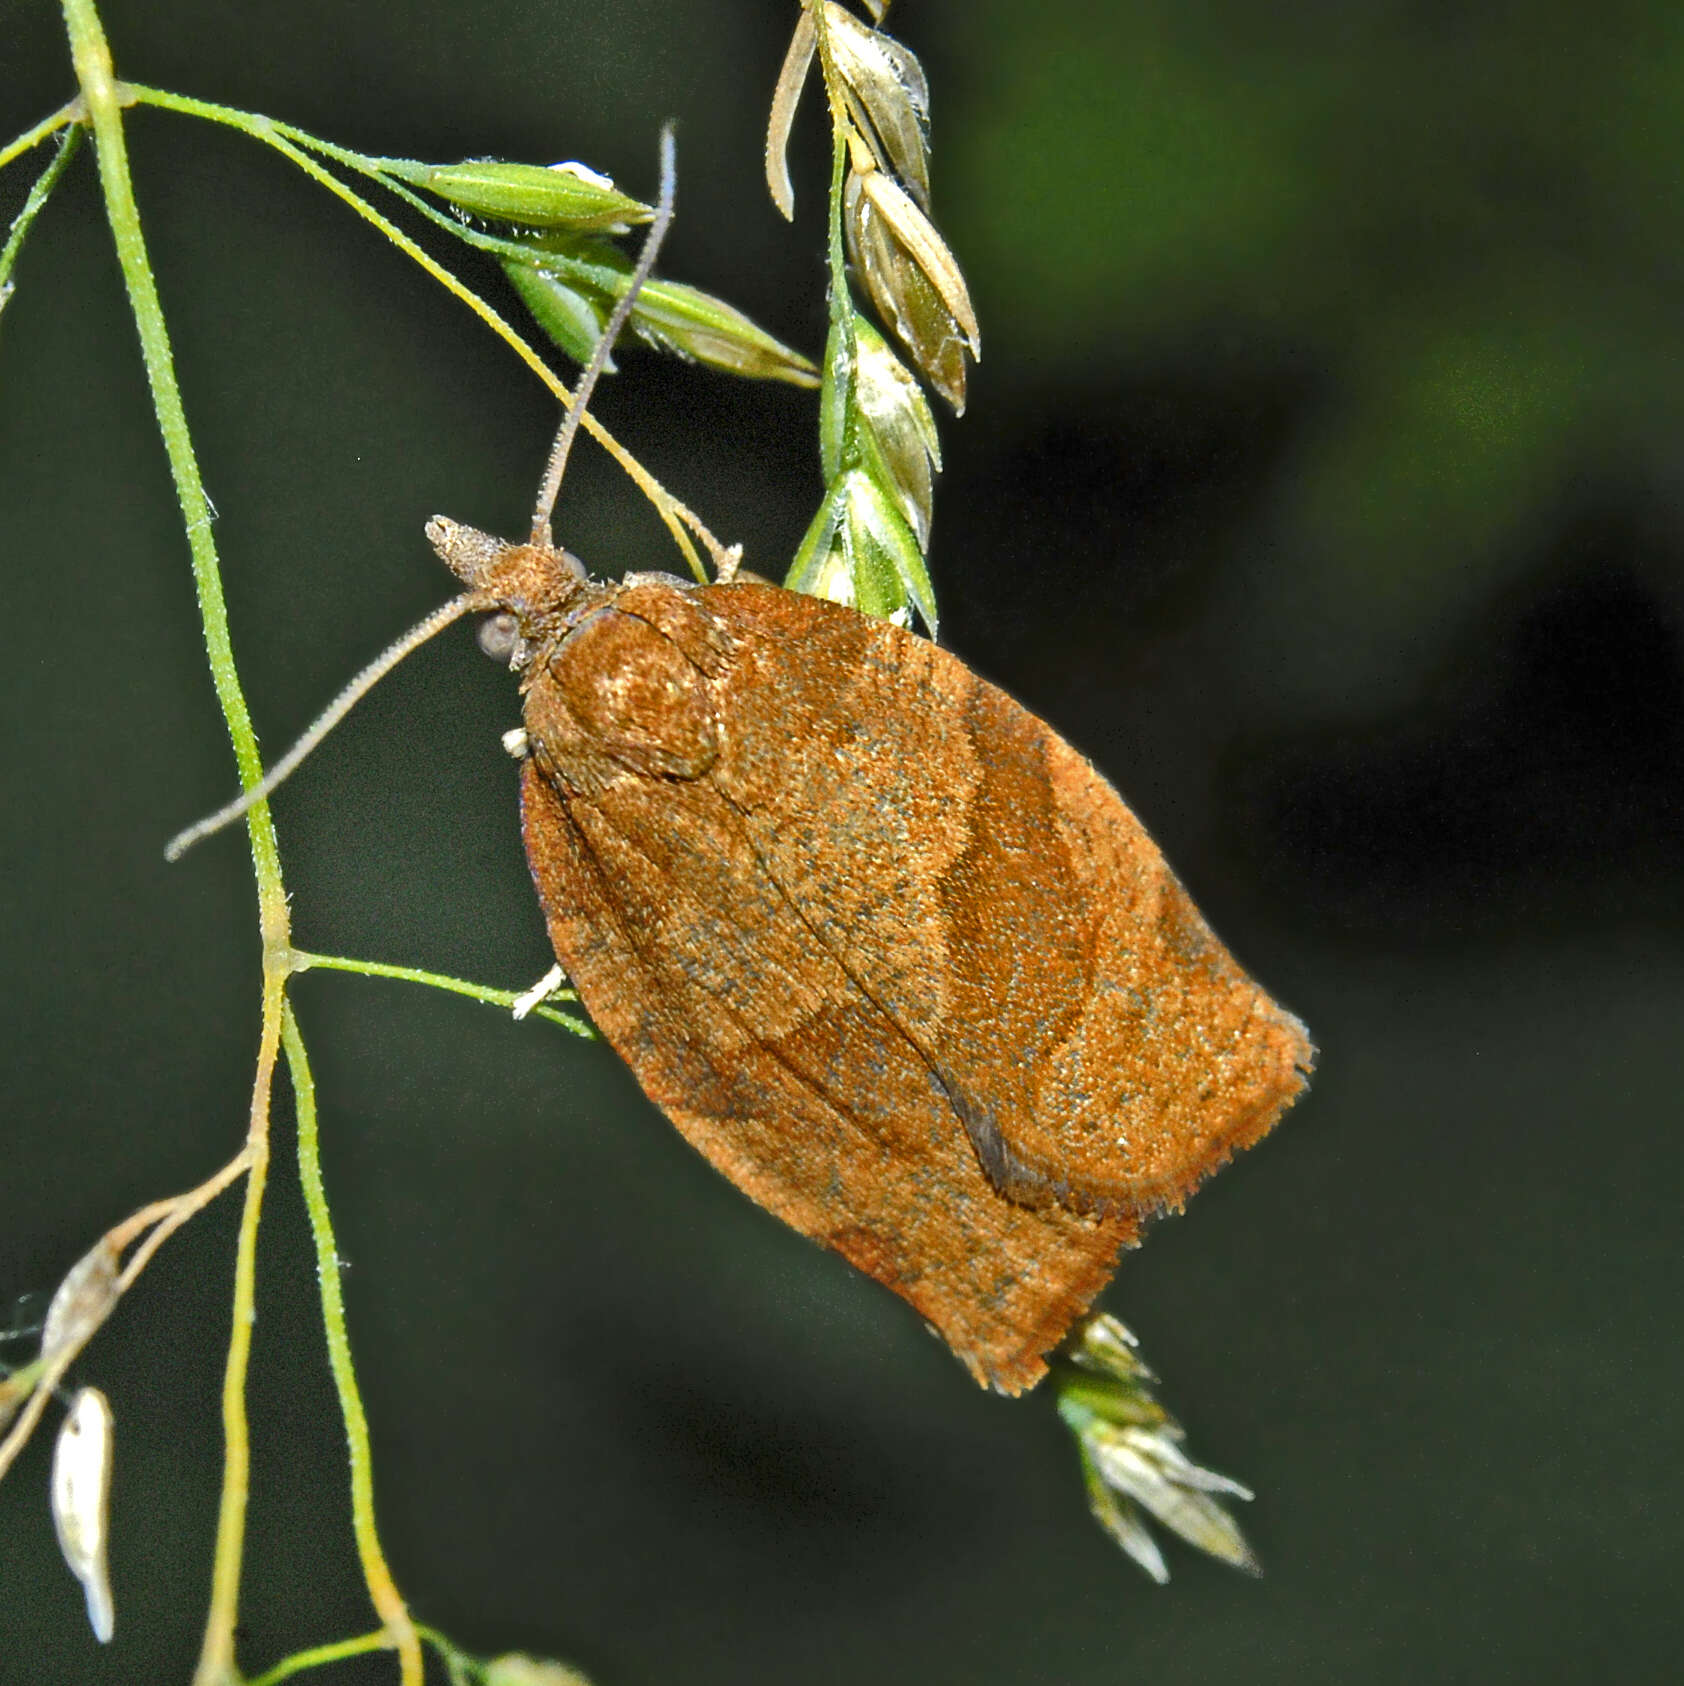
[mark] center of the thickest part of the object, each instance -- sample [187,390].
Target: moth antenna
[325,722]
[557,466]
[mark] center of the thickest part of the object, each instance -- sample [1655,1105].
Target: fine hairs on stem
[468,601]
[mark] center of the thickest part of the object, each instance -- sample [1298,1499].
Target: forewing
[749,1033]
[996,899]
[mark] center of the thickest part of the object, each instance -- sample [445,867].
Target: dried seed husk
[914,231]
[82,1301]
[892,98]
[81,1494]
[905,296]
[792,78]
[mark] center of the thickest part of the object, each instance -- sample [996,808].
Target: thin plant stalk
[836,99]
[72,112]
[319,1656]
[91,57]
[383,1593]
[216,1655]
[39,194]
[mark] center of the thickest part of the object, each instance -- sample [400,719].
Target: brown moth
[883,947]
[881,944]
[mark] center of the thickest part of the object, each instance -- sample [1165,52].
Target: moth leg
[540,992]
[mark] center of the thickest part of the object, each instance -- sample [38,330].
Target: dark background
[1321,480]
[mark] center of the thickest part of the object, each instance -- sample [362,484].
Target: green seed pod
[696,324]
[571,287]
[571,317]
[859,551]
[565,196]
[819,568]
[888,565]
[895,417]
[1131,1453]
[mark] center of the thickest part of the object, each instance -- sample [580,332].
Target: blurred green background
[1322,480]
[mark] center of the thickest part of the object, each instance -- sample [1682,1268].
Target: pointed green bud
[571,286]
[859,551]
[1121,1518]
[697,325]
[567,196]
[819,568]
[1108,1347]
[1148,1467]
[571,318]
[837,562]
[883,557]
[895,429]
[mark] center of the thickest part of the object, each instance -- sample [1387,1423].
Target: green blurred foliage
[1460,224]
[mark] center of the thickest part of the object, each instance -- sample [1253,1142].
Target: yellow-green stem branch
[305,962]
[319,1656]
[39,193]
[73,112]
[382,1589]
[216,1654]
[458,1661]
[840,128]
[104,103]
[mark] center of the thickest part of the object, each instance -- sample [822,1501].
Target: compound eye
[499,637]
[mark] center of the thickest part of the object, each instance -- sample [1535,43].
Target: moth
[881,945]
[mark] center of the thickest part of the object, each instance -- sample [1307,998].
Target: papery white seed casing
[81,1491]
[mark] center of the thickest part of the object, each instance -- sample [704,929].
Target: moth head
[527,587]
